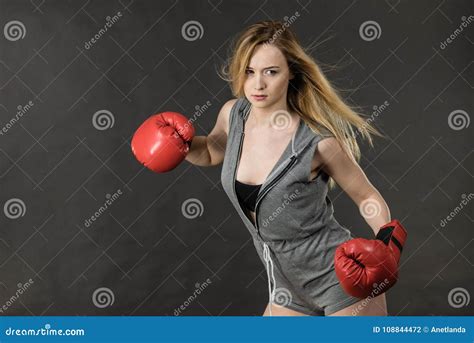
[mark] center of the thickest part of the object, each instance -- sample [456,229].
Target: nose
[259,84]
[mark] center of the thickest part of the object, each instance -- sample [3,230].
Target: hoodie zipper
[269,186]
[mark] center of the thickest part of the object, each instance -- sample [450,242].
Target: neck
[262,116]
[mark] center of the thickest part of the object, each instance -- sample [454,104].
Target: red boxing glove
[163,141]
[365,264]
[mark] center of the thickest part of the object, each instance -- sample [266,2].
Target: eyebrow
[265,67]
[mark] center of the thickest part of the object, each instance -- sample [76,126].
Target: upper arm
[217,138]
[343,169]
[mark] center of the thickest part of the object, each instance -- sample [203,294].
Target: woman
[285,138]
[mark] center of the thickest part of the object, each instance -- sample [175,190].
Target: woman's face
[268,75]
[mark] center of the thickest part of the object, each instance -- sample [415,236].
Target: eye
[248,71]
[271,72]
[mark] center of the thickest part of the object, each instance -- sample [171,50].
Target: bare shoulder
[229,103]
[217,138]
[328,146]
[225,112]
[326,149]
[221,128]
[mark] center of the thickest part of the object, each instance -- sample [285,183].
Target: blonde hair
[310,94]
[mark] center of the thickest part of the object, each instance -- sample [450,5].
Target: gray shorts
[322,297]
[334,298]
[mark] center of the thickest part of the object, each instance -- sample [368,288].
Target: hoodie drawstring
[268,260]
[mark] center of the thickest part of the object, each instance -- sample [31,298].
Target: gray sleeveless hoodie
[295,230]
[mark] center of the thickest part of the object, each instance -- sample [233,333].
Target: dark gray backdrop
[69,107]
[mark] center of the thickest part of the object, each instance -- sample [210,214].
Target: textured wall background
[72,94]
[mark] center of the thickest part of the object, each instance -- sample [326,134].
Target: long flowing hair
[310,94]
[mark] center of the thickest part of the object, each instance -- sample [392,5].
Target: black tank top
[247,194]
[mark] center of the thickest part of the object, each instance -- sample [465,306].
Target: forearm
[375,211]
[199,153]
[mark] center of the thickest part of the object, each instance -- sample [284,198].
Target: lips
[256,96]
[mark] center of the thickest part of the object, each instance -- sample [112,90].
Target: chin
[258,104]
